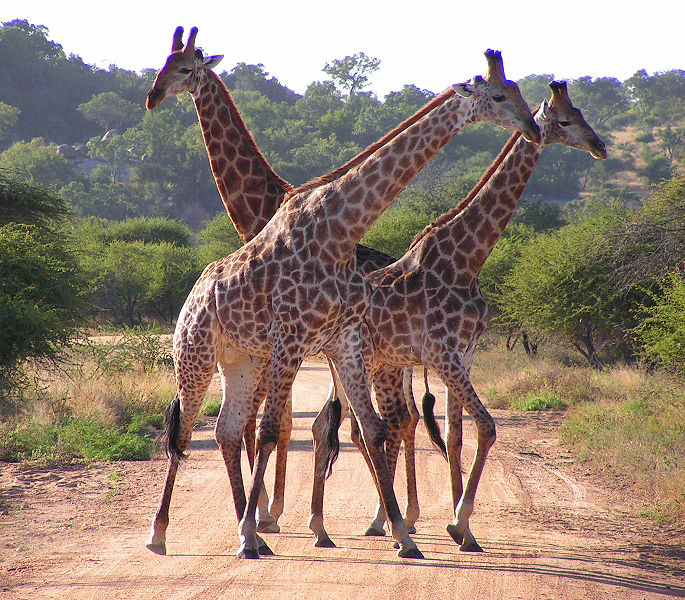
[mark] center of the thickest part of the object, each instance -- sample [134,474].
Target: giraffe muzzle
[154,99]
[598,149]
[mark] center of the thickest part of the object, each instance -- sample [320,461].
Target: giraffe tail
[432,427]
[332,416]
[168,437]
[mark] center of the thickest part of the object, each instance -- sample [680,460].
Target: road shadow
[602,567]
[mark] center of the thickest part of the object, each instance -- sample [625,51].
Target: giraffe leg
[461,393]
[387,383]
[412,511]
[265,522]
[351,361]
[454,437]
[324,426]
[277,502]
[264,519]
[192,380]
[287,356]
[240,381]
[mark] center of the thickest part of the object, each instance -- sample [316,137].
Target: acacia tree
[352,72]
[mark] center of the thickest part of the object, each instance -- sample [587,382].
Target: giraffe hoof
[268,527]
[396,545]
[325,543]
[472,546]
[264,550]
[157,548]
[373,531]
[410,553]
[411,529]
[247,553]
[454,533]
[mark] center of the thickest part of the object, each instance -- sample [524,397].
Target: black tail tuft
[428,403]
[332,413]
[169,435]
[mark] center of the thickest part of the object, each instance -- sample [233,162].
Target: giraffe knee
[267,438]
[487,431]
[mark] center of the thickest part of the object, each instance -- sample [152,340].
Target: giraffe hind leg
[179,419]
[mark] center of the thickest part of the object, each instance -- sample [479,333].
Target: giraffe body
[427,308]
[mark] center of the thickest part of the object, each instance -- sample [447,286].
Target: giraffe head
[182,70]
[562,123]
[497,100]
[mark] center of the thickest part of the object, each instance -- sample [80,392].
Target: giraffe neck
[471,233]
[353,202]
[250,189]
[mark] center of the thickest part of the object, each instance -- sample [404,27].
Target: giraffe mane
[450,214]
[282,183]
[353,162]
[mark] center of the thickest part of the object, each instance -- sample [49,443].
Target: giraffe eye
[499,98]
[185,71]
[564,123]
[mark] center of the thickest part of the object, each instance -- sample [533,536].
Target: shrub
[72,439]
[542,401]
[211,407]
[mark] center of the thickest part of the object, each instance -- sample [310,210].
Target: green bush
[661,333]
[539,401]
[211,407]
[73,439]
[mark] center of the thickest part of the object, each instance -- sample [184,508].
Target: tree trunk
[530,348]
[588,351]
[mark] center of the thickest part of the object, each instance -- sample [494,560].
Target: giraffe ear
[465,90]
[544,110]
[212,61]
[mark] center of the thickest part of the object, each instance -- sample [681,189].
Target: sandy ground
[549,529]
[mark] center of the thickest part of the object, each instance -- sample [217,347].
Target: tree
[661,330]
[40,287]
[352,72]
[254,78]
[29,203]
[650,243]
[218,239]
[561,284]
[601,98]
[9,115]
[175,270]
[395,230]
[44,84]
[535,88]
[110,111]
[655,96]
[39,162]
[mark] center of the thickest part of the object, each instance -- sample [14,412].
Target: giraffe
[427,307]
[251,192]
[295,290]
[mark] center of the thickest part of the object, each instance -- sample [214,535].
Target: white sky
[429,44]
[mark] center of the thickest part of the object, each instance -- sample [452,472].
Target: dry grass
[622,421]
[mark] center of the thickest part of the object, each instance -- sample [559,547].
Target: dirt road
[548,528]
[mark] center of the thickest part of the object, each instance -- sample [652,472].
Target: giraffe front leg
[287,356]
[461,394]
[351,365]
[387,383]
[277,501]
[264,519]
